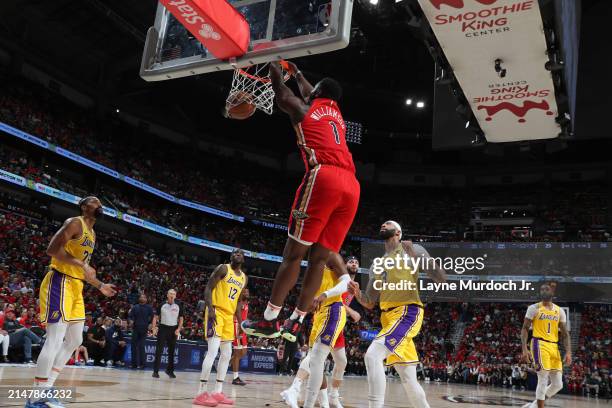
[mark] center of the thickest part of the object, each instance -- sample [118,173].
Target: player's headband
[396,226]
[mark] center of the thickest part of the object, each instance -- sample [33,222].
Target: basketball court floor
[102,387]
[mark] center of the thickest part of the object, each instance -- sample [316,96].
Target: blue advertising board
[189,355]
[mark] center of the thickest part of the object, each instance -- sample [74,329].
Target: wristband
[101,284]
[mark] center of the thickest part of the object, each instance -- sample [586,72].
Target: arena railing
[73,199]
[10,130]
[7,129]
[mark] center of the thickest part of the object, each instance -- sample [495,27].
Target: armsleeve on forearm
[340,287]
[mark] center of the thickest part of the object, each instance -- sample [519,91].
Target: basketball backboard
[280,29]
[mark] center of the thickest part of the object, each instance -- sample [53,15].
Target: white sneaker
[334,401]
[290,397]
[109,363]
[532,404]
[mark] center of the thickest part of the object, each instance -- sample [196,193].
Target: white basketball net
[252,85]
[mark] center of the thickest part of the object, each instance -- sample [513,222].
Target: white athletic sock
[218,386]
[202,386]
[298,315]
[374,362]
[323,398]
[55,372]
[271,311]
[235,374]
[41,384]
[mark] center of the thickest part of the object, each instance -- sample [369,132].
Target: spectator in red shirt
[24,319]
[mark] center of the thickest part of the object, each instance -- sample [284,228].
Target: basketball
[240,106]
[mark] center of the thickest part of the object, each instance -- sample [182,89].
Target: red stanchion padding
[219,26]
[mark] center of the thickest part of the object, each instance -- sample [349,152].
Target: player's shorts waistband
[329,165]
[70,276]
[333,303]
[407,304]
[548,341]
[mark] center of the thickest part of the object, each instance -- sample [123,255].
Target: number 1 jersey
[321,136]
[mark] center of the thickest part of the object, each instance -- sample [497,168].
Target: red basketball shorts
[340,343]
[240,338]
[324,207]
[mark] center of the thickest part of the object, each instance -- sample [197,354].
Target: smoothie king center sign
[475,33]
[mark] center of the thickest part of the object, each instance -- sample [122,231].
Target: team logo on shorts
[392,342]
[55,315]
[327,338]
[299,215]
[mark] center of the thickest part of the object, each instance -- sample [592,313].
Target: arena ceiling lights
[497,51]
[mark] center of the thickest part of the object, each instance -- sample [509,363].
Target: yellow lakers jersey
[227,291]
[399,295]
[546,323]
[328,282]
[80,248]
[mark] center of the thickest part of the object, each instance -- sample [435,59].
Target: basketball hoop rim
[265,80]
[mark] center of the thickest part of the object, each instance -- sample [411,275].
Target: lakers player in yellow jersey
[402,315]
[62,306]
[547,320]
[221,296]
[327,322]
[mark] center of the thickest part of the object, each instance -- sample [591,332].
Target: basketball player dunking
[221,296]
[401,318]
[293,394]
[547,319]
[240,338]
[62,306]
[325,202]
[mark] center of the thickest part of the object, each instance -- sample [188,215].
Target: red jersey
[244,312]
[347,298]
[321,136]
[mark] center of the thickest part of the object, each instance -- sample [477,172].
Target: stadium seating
[489,350]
